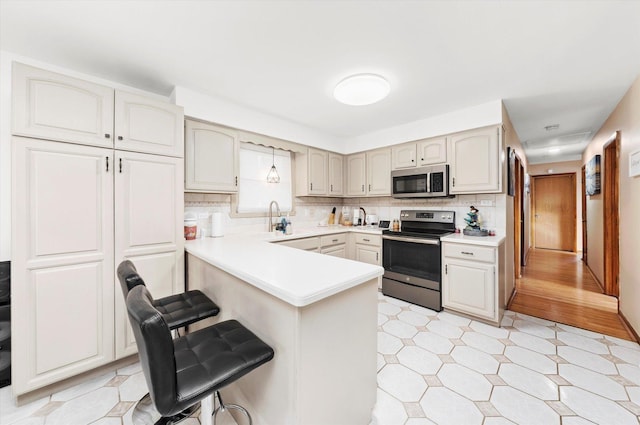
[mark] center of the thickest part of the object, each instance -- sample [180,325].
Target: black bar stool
[178,310]
[183,371]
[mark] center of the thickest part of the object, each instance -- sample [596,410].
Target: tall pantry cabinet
[97,177]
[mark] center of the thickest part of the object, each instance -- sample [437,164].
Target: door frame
[611,225]
[533,207]
[583,188]
[517,218]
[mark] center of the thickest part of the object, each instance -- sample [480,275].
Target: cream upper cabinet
[211,158]
[356,174]
[336,174]
[52,106]
[146,125]
[379,172]
[474,161]
[149,206]
[62,261]
[432,151]
[403,156]
[312,172]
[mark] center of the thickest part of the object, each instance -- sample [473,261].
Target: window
[254,193]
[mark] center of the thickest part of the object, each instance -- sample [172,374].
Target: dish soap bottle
[288,230]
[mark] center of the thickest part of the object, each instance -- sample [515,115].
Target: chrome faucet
[270,225]
[364,217]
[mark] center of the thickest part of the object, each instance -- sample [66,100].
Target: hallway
[555,285]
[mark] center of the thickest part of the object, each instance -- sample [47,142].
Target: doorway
[518,219]
[554,212]
[610,189]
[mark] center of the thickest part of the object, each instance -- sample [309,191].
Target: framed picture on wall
[511,171]
[592,176]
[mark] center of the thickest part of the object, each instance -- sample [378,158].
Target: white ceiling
[560,62]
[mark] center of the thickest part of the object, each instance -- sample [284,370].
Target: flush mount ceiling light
[273,176]
[361,89]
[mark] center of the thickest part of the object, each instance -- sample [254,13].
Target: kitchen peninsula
[317,311]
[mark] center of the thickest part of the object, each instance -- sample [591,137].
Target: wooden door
[149,203]
[611,227]
[554,212]
[62,261]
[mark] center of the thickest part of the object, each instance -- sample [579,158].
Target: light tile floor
[433,368]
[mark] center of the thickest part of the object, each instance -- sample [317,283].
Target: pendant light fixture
[273,176]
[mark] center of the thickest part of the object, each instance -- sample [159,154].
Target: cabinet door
[149,205]
[356,174]
[379,172]
[368,254]
[336,251]
[211,158]
[318,167]
[52,106]
[336,177]
[62,261]
[475,165]
[403,156]
[468,286]
[432,151]
[147,125]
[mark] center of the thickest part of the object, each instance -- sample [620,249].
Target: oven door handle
[412,240]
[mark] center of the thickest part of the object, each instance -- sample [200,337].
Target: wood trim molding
[593,275]
[611,205]
[627,325]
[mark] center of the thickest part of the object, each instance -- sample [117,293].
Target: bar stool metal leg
[145,413]
[222,407]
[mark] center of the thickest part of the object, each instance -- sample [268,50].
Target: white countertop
[474,240]
[293,275]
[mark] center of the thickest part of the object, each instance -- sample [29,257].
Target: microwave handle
[428,182]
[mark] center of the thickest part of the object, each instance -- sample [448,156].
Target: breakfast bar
[318,312]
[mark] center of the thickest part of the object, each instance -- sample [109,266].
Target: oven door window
[413,259]
[416,183]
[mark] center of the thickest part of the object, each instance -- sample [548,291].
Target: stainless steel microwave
[422,182]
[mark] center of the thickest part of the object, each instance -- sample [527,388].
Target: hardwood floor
[555,285]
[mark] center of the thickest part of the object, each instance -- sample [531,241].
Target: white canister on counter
[217,229]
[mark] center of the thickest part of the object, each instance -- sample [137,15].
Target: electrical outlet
[485,203]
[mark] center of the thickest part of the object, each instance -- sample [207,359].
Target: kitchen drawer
[470,252]
[305,243]
[366,239]
[329,240]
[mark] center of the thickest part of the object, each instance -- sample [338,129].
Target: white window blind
[254,193]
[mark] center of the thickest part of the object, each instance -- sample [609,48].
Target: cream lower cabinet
[471,281]
[77,212]
[62,261]
[335,245]
[149,206]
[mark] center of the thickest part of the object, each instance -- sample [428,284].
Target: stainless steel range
[412,258]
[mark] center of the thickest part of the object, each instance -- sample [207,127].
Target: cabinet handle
[332,188]
[366,240]
[446,269]
[421,159]
[363,188]
[334,240]
[466,253]
[107,136]
[311,185]
[107,158]
[412,160]
[236,181]
[120,137]
[454,182]
[120,165]
[377,254]
[369,188]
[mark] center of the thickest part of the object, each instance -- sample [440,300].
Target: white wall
[489,113]
[6,58]
[224,112]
